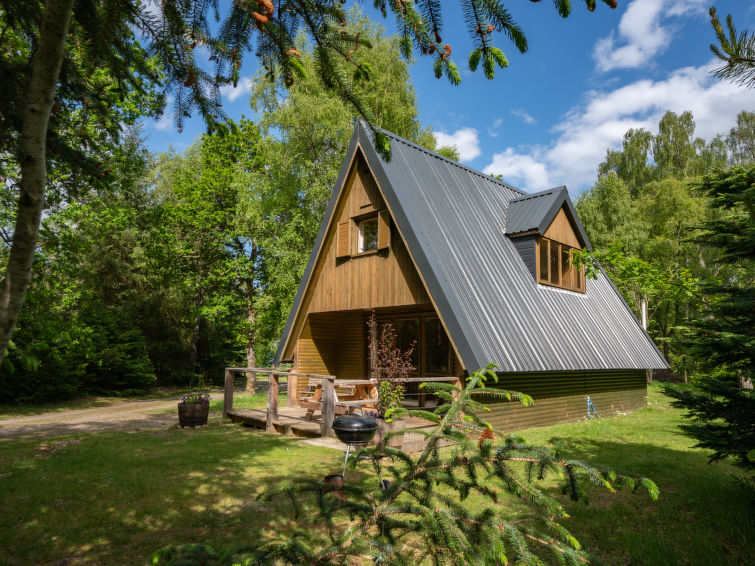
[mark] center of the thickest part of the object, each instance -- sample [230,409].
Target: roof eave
[327,217]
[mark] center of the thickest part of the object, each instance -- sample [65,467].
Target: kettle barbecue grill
[354,431]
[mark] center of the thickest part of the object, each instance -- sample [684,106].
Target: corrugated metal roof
[528,213]
[453,219]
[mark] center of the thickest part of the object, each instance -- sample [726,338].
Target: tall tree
[85,35]
[723,338]
[307,131]
[741,139]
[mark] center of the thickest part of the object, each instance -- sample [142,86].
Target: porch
[291,418]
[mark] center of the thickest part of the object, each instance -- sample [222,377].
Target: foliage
[86,313]
[196,399]
[643,217]
[84,59]
[448,506]
[390,396]
[723,336]
[737,51]
[390,365]
[388,361]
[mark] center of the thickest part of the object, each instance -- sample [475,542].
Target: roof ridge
[443,158]
[538,194]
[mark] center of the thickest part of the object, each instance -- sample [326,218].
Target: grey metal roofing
[453,220]
[535,212]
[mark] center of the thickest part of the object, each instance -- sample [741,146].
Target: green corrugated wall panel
[560,384]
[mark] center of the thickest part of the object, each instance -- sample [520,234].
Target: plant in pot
[194,409]
[391,367]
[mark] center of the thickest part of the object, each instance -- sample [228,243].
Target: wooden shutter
[343,239]
[384,229]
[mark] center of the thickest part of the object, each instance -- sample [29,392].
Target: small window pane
[437,348]
[578,278]
[543,260]
[567,269]
[368,230]
[554,263]
[407,336]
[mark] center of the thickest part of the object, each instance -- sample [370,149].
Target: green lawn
[113,498]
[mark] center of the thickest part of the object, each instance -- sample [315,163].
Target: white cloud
[231,93]
[643,32]
[526,169]
[523,116]
[601,121]
[493,129]
[466,141]
[166,122]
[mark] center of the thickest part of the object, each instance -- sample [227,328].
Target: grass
[705,514]
[113,498]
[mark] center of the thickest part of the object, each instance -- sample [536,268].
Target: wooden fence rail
[328,394]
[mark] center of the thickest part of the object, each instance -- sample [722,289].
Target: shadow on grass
[704,515]
[114,498]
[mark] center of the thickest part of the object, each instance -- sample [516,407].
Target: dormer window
[555,268]
[367,235]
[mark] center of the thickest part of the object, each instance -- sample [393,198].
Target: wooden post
[272,401]
[228,393]
[251,382]
[328,405]
[292,390]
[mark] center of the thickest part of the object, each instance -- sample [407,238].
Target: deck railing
[273,377]
[328,398]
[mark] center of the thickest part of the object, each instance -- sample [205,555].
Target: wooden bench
[346,399]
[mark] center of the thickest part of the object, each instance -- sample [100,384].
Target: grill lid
[351,429]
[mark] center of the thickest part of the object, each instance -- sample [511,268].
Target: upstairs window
[555,267]
[367,235]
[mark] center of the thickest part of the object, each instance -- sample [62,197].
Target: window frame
[360,222]
[573,281]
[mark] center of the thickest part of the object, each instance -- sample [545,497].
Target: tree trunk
[251,335]
[45,69]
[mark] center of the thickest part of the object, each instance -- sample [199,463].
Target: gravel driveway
[125,415]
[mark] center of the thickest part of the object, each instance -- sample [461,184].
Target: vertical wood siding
[561,230]
[373,280]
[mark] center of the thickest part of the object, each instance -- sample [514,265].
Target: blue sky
[548,118]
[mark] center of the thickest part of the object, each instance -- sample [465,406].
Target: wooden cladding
[345,279]
[384,230]
[554,266]
[562,231]
[343,239]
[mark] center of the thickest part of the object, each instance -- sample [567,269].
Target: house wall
[525,245]
[561,230]
[561,397]
[373,280]
[331,344]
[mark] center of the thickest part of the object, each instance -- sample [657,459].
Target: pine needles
[446,506]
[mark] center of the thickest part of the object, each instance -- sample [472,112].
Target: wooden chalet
[472,270]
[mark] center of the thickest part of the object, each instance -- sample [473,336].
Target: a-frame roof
[453,220]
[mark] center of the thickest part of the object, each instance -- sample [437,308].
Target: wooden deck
[291,422]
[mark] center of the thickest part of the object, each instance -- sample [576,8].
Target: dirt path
[126,415]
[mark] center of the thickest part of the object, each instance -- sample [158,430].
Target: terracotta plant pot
[384,427]
[193,414]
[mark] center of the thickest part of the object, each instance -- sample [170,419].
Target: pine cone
[486,434]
